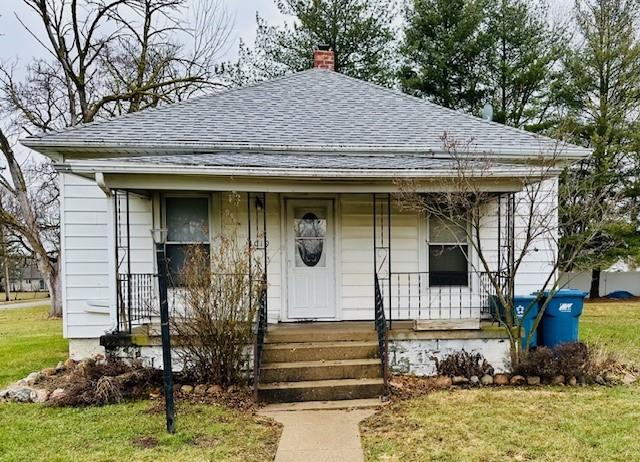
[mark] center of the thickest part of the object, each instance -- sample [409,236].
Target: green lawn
[29,341]
[545,424]
[22,296]
[130,431]
[615,325]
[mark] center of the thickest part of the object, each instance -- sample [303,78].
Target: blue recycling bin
[561,317]
[520,305]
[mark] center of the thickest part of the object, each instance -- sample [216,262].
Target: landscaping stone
[49,371]
[4,394]
[558,380]
[628,379]
[533,380]
[20,394]
[214,390]
[69,363]
[200,389]
[186,389]
[501,379]
[611,378]
[572,382]
[85,366]
[443,381]
[459,380]
[33,378]
[56,394]
[39,396]
[474,380]
[517,380]
[486,380]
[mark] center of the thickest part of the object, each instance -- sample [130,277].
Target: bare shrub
[90,384]
[108,390]
[575,359]
[219,296]
[465,364]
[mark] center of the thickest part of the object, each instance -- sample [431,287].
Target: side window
[187,222]
[448,251]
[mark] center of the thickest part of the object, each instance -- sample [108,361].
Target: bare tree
[465,206]
[108,57]
[27,217]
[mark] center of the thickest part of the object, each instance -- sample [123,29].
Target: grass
[23,296]
[523,424]
[128,431]
[131,431]
[29,341]
[615,325]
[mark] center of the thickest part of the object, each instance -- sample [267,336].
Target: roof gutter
[563,150]
[111,168]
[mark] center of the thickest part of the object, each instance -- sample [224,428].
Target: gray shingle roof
[306,161]
[314,110]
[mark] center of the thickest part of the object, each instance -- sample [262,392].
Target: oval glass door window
[310,232]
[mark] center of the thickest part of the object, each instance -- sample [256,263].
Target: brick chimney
[324,58]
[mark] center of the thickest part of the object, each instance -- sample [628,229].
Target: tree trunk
[51,271]
[7,294]
[594,291]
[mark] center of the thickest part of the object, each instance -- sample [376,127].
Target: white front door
[310,260]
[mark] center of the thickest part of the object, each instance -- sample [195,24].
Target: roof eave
[562,150]
[111,167]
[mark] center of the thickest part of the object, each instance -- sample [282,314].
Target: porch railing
[137,300]
[423,295]
[260,328]
[382,331]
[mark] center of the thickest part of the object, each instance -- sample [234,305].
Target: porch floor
[365,330]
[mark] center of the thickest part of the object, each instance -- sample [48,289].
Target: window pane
[310,231]
[176,254]
[448,265]
[187,219]
[446,231]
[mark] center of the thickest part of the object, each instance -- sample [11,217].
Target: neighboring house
[27,279]
[314,157]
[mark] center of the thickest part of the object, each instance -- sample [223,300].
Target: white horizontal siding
[85,256]
[86,253]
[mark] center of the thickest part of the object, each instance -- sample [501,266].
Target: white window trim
[187,195]
[425,243]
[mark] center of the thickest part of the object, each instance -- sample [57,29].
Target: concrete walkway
[25,303]
[320,436]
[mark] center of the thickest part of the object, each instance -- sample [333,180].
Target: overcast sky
[15,41]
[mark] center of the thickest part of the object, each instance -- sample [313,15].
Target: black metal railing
[382,331]
[137,300]
[488,283]
[260,328]
[423,295]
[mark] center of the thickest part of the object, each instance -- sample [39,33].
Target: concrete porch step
[320,390]
[302,333]
[320,370]
[317,351]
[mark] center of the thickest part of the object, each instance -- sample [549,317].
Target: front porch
[353,286]
[368,245]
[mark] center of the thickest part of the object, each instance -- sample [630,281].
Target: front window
[187,223]
[448,252]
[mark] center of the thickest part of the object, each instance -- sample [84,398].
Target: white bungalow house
[315,158]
